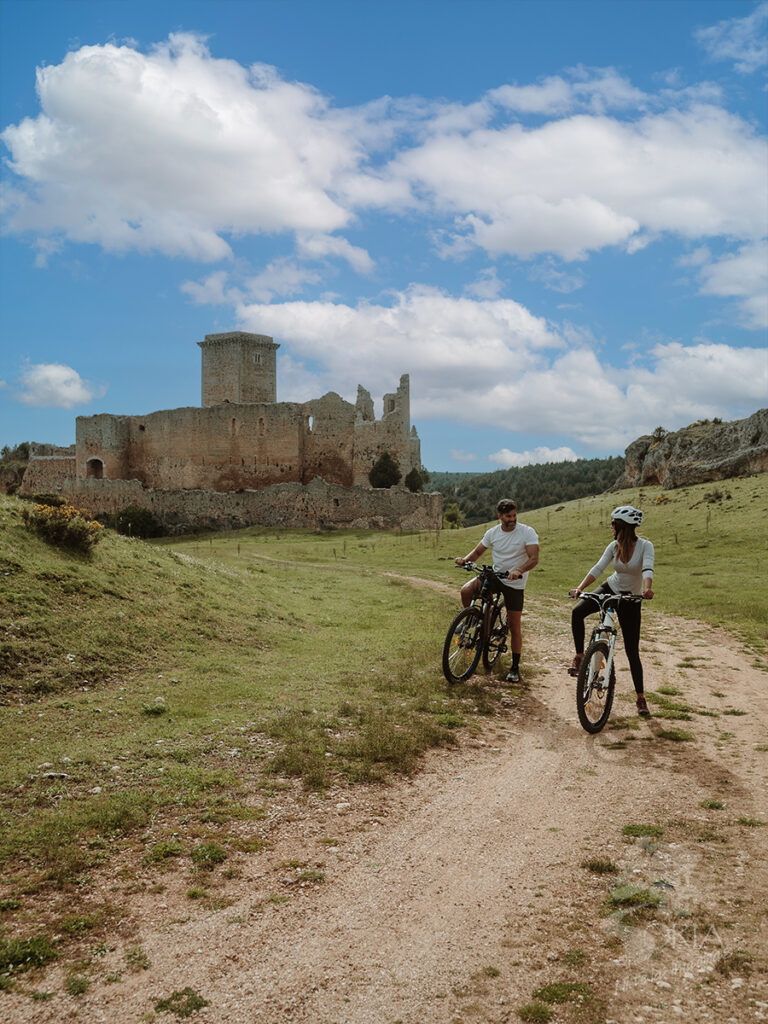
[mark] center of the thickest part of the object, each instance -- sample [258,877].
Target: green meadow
[172,688]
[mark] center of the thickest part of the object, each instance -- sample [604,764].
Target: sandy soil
[456,895]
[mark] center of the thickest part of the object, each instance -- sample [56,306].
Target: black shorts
[514,597]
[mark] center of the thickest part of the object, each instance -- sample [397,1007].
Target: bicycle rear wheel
[462,647]
[497,636]
[594,693]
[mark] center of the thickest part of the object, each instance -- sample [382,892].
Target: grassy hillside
[165,692]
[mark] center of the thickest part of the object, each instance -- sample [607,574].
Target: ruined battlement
[240,438]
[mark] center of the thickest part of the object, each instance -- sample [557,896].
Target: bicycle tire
[463,645]
[594,695]
[496,641]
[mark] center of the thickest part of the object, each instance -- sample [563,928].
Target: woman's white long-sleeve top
[628,576]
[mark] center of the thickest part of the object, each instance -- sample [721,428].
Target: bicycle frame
[487,599]
[606,630]
[478,631]
[596,679]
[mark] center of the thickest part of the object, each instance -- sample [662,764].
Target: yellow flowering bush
[64,525]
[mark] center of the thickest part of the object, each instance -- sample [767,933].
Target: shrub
[453,517]
[414,481]
[54,500]
[137,522]
[384,472]
[64,526]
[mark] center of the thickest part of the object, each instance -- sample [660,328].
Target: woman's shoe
[642,706]
[575,665]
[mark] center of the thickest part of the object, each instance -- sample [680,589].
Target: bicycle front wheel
[463,644]
[497,636]
[594,693]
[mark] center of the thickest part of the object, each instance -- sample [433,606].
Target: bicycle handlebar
[474,567]
[603,599]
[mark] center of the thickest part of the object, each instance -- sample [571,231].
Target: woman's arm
[648,556]
[589,578]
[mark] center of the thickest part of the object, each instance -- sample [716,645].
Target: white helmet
[628,514]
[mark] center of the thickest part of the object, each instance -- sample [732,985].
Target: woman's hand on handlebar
[574,593]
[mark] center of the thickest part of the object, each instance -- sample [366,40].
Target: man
[516,551]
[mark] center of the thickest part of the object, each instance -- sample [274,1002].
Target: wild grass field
[156,694]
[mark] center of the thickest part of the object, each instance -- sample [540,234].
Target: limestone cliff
[696,454]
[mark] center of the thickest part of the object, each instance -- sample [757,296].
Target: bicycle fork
[607,632]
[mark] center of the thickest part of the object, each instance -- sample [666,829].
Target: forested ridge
[536,486]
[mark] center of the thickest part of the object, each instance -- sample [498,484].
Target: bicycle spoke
[594,692]
[461,650]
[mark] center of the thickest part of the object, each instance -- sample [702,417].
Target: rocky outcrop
[696,454]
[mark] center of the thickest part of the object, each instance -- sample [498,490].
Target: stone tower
[238,368]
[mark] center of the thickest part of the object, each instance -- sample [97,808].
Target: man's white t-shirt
[509,550]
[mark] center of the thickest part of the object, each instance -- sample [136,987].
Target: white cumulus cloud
[506,459]
[53,385]
[584,182]
[173,149]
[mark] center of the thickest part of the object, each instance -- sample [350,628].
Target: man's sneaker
[642,706]
[513,676]
[575,665]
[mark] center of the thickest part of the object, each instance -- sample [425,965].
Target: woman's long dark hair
[626,538]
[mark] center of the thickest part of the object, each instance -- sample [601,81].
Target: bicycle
[596,678]
[479,630]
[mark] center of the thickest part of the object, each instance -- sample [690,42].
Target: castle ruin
[240,440]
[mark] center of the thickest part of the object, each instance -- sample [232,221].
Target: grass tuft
[600,866]
[19,955]
[633,896]
[207,855]
[182,1003]
[535,1013]
[563,992]
[654,831]
[675,735]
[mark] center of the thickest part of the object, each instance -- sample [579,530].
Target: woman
[632,559]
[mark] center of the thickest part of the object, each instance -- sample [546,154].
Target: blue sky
[551,214]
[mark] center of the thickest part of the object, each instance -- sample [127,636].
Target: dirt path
[454,897]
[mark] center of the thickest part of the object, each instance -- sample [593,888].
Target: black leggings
[629,620]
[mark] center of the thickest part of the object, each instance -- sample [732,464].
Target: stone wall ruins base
[318,506]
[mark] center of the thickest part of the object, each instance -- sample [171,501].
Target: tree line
[536,486]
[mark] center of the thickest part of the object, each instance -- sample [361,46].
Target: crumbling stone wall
[49,466]
[392,433]
[318,505]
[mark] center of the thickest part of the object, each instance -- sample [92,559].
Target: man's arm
[473,555]
[532,550]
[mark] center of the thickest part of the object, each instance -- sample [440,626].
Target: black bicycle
[596,679]
[477,631]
